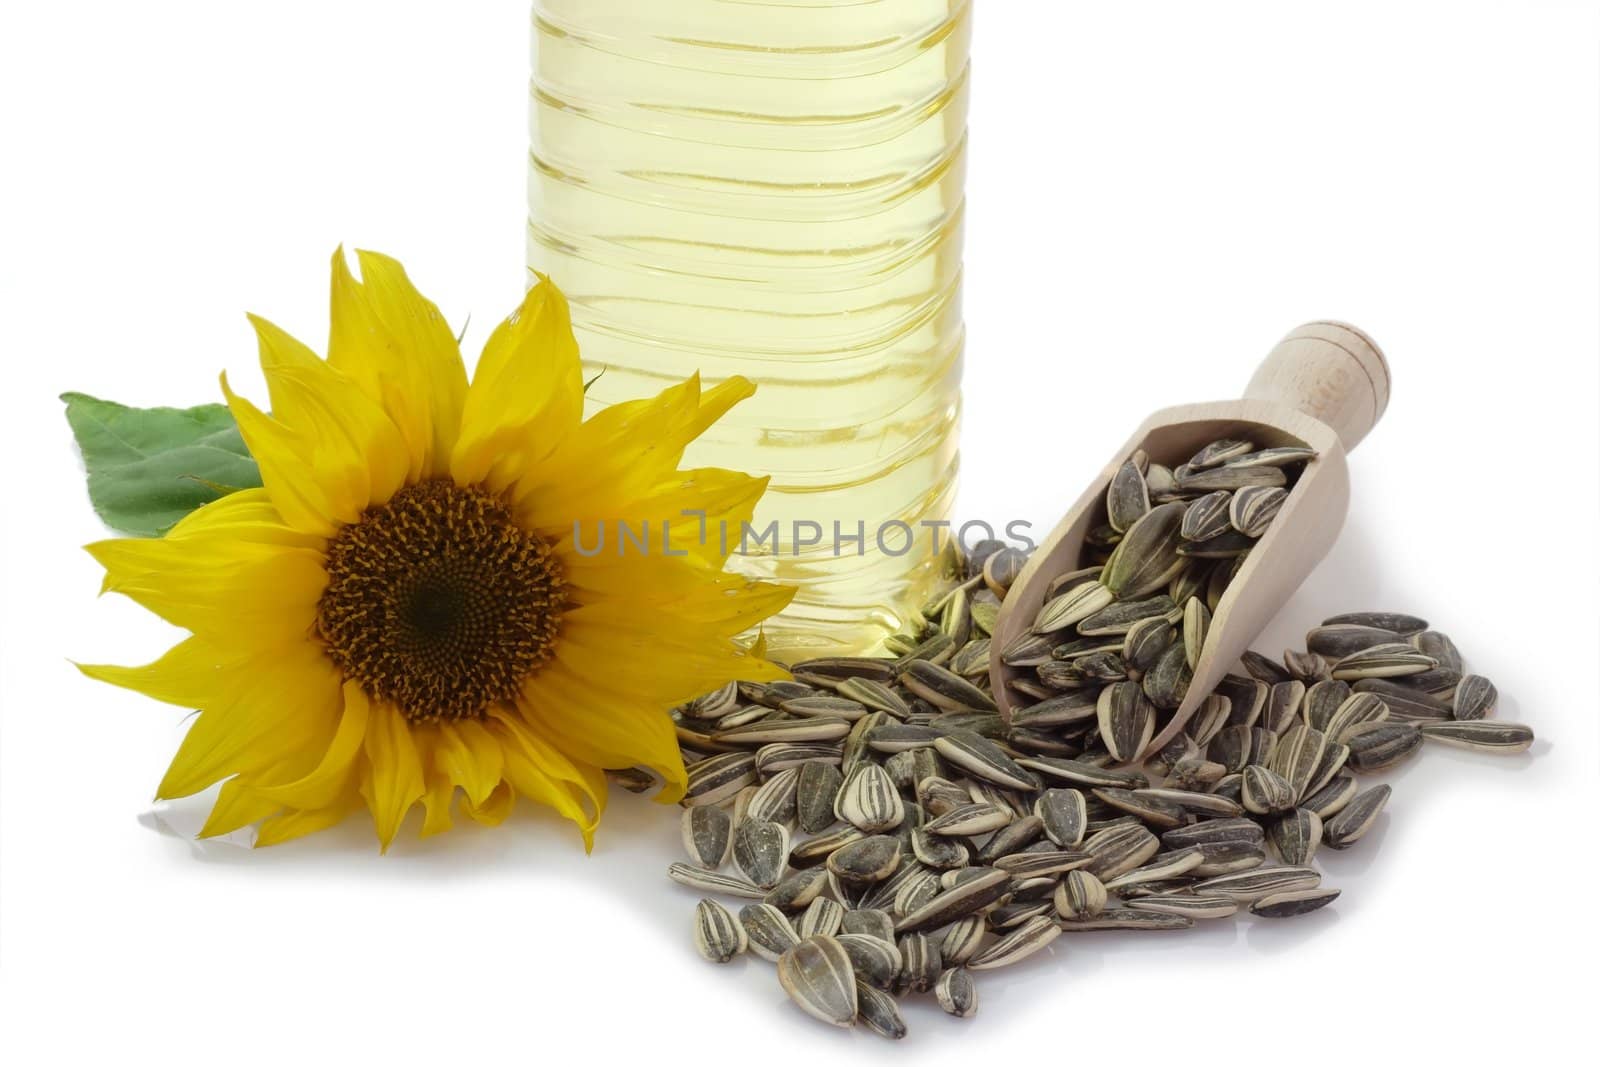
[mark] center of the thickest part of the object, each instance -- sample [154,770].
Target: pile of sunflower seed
[890,834]
[1126,627]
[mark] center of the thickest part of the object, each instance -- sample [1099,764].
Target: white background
[1158,191]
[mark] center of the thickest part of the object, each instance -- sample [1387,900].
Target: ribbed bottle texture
[774,188]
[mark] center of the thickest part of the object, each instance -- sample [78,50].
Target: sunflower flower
[413,604]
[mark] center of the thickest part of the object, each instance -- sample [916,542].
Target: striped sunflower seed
[982,887]
[880,1011]
[1388,660]
[1073,606]
[1475,698]
[761,851]
[1206,517]
[707,834]
[1127,497]
[1146,558]
[1119,849]
[920,964]
[768,931]
[1247,886]
[867,861]
[983,759]
[1404,625]
[1294,902]
[1356,818]
[869,801]
[712,882]
[1375,746]
[1482,735]
[717,935]
[876,961]
[819,978]
[1127,720]
[955,990]
[1344,639]
[1032,936]
[1296,836]
[718,778]
[1332,798]
[1125,919]
[774,801]
[944,688]
[816,791]
[1187,905]
[1253,508]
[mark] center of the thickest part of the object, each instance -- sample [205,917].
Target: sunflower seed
[1011,838]
[1358,710]
[1309,667]
[1146,558]
[818,976]
[1294,902]
[717,935]
[1119,850]
[1080,773]
[1375,746]
[1247,698]
[1482,735]
[767,930]
[1127,720]
[822,916]
[1296,760]
[1273,457]
[1441,648]
[982,887]
[1187,905]
[1071,707]
[1253,508]
[712,882]
[919,962]
[1388,660]
[869,801]
[761,851]
[1356,818]
[1032,936]
[816,789]
[869,860]
[707,833]
[874,694]
[1219,452]
[774,801]
[1167,866]
[1209,719]
[876,961]
[715,779]
[1125,919]
[1166,683]
[1476,698]
[1343,639]
[1262,669]
[792,731]
[1247,886]
[1207,804]
[1073,606]
[1404,625]
[955,990]
[1230,478]
[1196,623]
[1152,810]
[970,820]
[880,1011]
[944,689]
[1118,618]
[773,759]
[1296,836]
[1332,798]
[1127,497]
[983,759]
[939,852]
[1206,517]
[818,848]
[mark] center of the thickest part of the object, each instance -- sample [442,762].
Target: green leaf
[149,467]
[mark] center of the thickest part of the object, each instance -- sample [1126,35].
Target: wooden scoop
[1322,387]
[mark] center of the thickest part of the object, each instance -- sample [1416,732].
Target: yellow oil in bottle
[774,188]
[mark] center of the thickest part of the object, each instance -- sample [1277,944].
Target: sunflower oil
[774,188]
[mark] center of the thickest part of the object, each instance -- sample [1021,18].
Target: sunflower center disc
[439,603]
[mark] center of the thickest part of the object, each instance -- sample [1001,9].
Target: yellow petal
[235,594]
[526,396]
[247,515]
[331,777]
[471,756]
[436,804]
[238,805]
[293,824]
[623,453]
[394,343]
[357,456]
[190,674]
[392,781]
[540,772]
[493,811]
[281,707]
[284,456]
[600,730]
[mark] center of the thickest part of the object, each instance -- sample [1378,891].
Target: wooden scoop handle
[1330,371]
